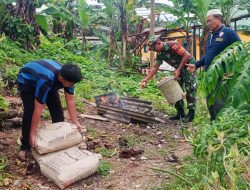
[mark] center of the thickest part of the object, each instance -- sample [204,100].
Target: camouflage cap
[152,40]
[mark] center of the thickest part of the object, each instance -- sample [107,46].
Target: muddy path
[159,142]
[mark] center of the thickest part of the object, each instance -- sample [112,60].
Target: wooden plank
[97,117]
[133,115]
[88,102]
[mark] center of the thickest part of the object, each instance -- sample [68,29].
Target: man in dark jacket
[220,38]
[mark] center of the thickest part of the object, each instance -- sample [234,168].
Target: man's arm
[185,58]
[71,106]
[150,75]
[200,63]
[38,108]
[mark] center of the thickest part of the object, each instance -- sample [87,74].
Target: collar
[219,29]
[165,46]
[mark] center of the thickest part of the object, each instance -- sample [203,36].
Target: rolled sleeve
[69,90]
[177,48]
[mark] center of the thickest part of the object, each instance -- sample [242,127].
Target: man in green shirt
[174,54]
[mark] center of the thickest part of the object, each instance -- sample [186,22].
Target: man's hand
[191,67]
[81,128]
[32,139]
[177,74]
[143,83]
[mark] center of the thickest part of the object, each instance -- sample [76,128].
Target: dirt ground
[159,143]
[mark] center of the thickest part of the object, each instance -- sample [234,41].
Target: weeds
[104,168]
[106,152]
[222,155]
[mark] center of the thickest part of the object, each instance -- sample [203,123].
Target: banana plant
[182,10]
[4,12]
[228,8]
[200,8]
[229,76]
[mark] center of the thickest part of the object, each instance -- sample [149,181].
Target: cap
[152,40]
[214,12]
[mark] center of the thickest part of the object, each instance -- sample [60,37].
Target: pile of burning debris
[125,109]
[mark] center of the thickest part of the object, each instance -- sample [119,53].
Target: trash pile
[125,109]
[59,157]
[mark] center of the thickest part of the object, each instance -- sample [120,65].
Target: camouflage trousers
[188,82]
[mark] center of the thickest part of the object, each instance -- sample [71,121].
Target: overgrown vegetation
[228,76]
[221,148]
[99,78]
[221,155]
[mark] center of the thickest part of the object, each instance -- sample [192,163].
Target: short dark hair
[71,73]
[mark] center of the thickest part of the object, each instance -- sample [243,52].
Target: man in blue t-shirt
[220,38]
[38,83]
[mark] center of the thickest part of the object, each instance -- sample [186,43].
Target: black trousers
[55,109]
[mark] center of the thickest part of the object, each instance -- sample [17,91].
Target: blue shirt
[216,43]
[41,77]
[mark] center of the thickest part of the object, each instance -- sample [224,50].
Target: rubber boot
[180,114]
[190,116]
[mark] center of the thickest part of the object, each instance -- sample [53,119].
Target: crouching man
[38,83]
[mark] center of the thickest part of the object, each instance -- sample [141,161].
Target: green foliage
[104,168]
[229,75]
[215,141]
[200,8]
[84,13]
[4,176]
[99,78]
[131,140]
[106,152]
[74,46]
[42,22]
[235,126]
[222,155]
[17,29]
[3,163]
[3,103]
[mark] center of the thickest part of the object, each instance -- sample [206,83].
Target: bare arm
[71,106]
[38,108]
[150,75]
[185,57]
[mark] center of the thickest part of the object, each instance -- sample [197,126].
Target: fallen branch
[88,102]
[8,114]
[12,123]
[97,117]
[172,173]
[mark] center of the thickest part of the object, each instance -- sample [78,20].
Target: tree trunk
[203,42]
[25,10]
[124,34]
[152,31]
[189,45]
[115,48]
[84,40]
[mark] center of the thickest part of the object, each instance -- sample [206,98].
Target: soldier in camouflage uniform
[174,54]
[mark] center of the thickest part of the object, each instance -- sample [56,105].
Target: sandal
[23,154]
